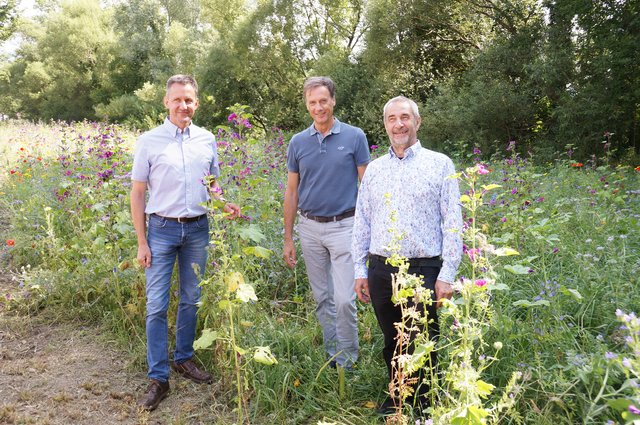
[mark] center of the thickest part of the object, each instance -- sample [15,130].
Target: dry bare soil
[67,373]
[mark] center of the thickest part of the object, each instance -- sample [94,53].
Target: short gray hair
[313,82]
[182,79]
[414,106]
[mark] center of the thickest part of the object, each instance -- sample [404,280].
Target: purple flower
[480,282]
[610,356]
[626,363]
[633,409]
[373,147]
[232,117]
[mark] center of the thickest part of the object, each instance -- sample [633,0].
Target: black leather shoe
[387,408]
[155,393]
[189,370]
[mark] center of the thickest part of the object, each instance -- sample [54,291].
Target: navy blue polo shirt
[328,168]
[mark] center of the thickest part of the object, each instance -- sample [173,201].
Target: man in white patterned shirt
[411,183]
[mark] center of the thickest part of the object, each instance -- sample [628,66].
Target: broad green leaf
[573,292]
[258,251]
[465,199]
[251,232]
[527,303]
[517,269]
[206,339]
[233,280]
[478,412]
[619,404]
[499,287]
[484,388]
[489,187]
[246,293]
[263,355]
[504,252]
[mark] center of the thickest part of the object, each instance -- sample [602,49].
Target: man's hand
[362,290]
[289,253]
[144,256]
[443,290]
[232,209]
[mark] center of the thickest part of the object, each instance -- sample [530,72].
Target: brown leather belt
[181,219]
[321,219]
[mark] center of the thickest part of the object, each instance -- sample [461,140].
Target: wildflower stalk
[465,390]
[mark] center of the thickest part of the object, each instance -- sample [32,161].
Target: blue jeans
[326,248]
[167,240]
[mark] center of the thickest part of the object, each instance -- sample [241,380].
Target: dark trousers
[380,290]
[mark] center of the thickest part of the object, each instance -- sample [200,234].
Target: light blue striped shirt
[173,164]
[427,207]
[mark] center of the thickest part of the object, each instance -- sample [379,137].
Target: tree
[7,18]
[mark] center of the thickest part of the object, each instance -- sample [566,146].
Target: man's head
[402,121]
[181,99]
[320,99]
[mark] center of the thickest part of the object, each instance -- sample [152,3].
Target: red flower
[577,164]
[638,168]
[11,242]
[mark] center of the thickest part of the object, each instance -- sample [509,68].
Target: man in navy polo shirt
[325,162]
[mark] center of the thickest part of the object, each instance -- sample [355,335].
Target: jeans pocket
[157,222]
[202,222]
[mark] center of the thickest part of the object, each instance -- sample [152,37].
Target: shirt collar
[334,129]
[174,129]
[411,151]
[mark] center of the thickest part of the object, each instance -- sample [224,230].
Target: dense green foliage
[548,74]
[560,313]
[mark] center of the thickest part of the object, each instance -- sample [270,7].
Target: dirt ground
[66,373]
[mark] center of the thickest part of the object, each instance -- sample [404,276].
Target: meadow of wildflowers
[544,328]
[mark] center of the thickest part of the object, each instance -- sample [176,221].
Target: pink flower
[480,282]
[472,253]
[482,170]
[232,117]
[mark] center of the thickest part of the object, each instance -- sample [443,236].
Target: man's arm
[138,192]
[361,170]
[290,208]
[451,234]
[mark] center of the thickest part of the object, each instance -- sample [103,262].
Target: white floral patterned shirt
[426,203]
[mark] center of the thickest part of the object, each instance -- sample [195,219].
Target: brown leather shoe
[189,370]
[155,393]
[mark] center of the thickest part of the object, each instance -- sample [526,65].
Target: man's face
[181,101]
[401,125]
[320,105]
